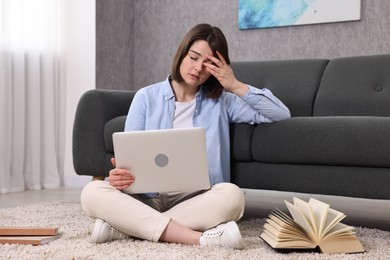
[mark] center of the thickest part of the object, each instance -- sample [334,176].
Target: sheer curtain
[32,95]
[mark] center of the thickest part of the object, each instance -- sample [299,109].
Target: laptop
[163,160]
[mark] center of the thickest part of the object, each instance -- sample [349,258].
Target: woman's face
[192,69]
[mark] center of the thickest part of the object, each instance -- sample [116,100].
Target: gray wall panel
[114,44]
[159,25]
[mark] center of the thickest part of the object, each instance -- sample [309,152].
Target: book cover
[28,231]
[313,225]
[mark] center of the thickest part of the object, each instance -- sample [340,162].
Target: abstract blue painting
[276,13]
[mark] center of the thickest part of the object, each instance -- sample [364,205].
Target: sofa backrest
[294,82]
[355,86]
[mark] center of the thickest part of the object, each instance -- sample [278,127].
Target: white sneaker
[103,232]
[226,234]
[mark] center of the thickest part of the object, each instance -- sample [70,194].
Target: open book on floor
[28,235]
[313,224]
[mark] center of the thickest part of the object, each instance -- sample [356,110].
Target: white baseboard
[359,211]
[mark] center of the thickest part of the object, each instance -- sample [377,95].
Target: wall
[114,58]
[80,70]
[157,27]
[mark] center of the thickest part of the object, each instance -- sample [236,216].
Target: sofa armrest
[94,110]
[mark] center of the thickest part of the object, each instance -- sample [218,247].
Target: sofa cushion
[294,82]
[355,86]
[361,182]
[342,141]
[116,124]
[240,142]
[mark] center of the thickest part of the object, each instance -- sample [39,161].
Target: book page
[292,225]
[320,212]
[286,244]
[281,216]
[281,236]
[284,233]
[340,229]
[332,219]
[33,240]
[300,219]
[308,213]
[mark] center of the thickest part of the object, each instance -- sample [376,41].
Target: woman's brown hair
[217,41]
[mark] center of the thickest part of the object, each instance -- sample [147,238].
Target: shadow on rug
[74,242]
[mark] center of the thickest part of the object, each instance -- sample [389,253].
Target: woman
[201,91]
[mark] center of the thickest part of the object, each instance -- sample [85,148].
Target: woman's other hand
[120,178]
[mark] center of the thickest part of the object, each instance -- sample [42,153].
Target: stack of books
[28,235]
[313,225]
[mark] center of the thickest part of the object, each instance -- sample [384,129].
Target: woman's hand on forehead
[224,74]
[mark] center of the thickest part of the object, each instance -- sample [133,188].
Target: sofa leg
[98,178]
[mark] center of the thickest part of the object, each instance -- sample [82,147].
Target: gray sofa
[336,143]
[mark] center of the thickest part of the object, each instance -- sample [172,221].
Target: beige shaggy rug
[75,226]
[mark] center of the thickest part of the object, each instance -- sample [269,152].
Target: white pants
[147,218]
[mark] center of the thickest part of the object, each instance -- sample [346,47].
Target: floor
[21,198]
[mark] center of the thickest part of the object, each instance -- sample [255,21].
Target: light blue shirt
[153,107]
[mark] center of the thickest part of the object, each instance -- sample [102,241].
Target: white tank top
[184,112]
